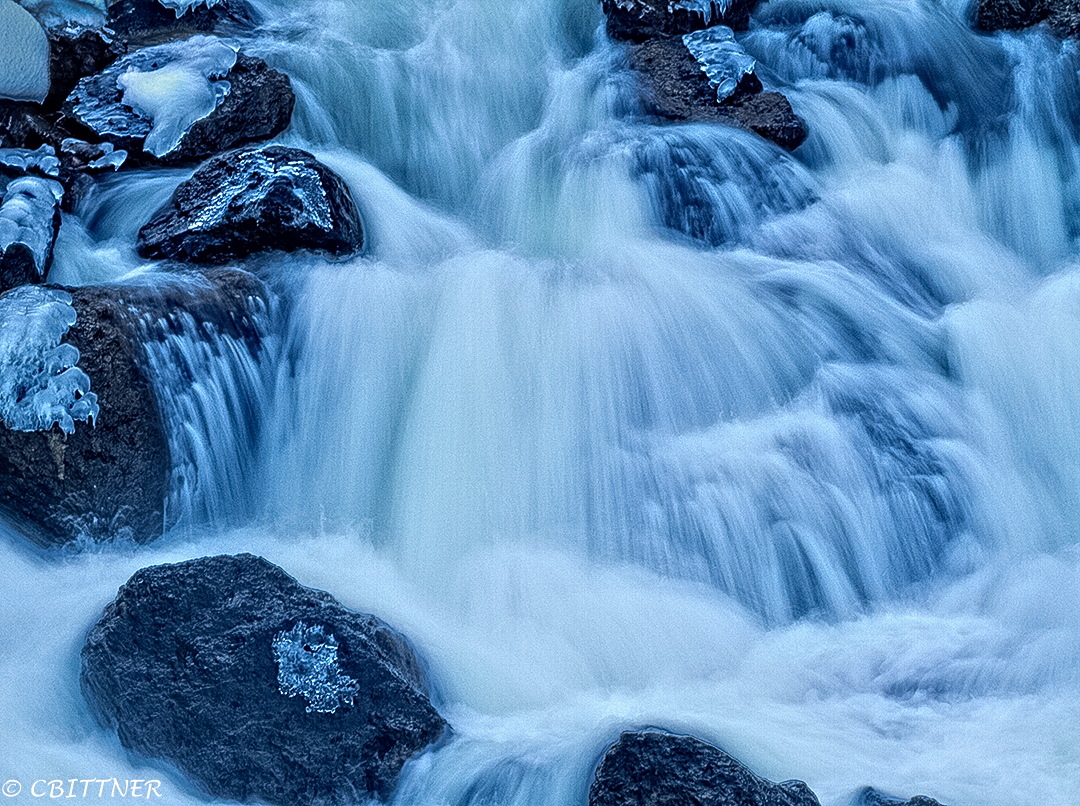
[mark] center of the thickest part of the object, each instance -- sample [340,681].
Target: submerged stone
[659,768]
[188,664]
[871,797]
[253,200]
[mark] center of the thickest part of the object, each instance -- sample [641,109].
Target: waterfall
[631,424]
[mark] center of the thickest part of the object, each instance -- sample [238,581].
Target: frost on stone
[307,660]
[26,216]
[42,160]
[252,180]
[182,7]
[40,386]
[710,10]
[24,55]
[98,156]
[177,87]
[155,94]
[721,58]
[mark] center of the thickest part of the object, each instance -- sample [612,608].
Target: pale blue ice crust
[711,10]
[307,659]
[40,386]
[721,58]
[28,202]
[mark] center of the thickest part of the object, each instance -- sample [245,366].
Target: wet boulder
[182,101]
[75,52]
[256,687]
[1061,16]
[253,200]
[871,797]
[641,20]
[660,768]
[676,86]
[158,20]
[69,469]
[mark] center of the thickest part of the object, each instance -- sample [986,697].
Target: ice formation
[175,84]
[26,214]
[24,55]
[722,58]
[43,160]
[307,659]
[40,386]
[255,176]
[709,9]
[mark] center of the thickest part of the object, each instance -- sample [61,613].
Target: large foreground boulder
[182,101]
[253,200]
[640,20]
[69,470]
[256,687]
[660,769]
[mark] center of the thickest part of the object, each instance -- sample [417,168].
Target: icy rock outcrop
[112,480]
[40,384]
[152,19]
[723,60]
[76,51]
[253,200]
[24,55]
[654,767]
[204,633]
[183,101]
[29,224]
[41,161]
[640,20]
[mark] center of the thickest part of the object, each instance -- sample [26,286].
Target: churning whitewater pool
[631,425]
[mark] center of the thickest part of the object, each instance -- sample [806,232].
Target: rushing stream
[629,425]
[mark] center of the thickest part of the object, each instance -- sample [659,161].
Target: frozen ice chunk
[307,659]
[40,386]
[709,9]
[24,55]
[182,7]
[26,216]
[177,87]
[43,160]
[721,57]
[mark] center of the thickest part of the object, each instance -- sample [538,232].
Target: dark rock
[110,478]
[76,51]
[147,21]
[660,769]
[29,224]
[213,664]
[640,20]
[1007,15]
[22,125]
[253,200]
[871,797]
[674,87]
[258,106]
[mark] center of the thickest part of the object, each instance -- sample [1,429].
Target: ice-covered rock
[91,157]
[218,634]
[182,84]
[76,51]
[253,200]
[112,480]
[40,384]
[29,224]
[181,7]
[24,55]
[660,768]
[723,60]
[41,160]
[183,101]
[641,20]
[154,19]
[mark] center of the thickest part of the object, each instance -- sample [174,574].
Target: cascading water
[629,425]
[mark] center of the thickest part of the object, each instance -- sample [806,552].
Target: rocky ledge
[256,687]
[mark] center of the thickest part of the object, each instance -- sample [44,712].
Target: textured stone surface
[75,52]
[253,200]
[659,769]
[148,21]
[183,664]
[871,797]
